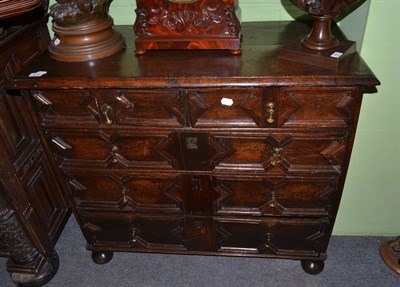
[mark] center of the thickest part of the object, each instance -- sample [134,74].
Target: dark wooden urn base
[331,53]
[330,59]
[88,41]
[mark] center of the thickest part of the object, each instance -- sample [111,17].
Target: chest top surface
[259,65]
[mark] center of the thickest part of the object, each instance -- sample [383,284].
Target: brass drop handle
[271,112]
[114,151]
[107,110]
[134,236]
[276,156]
[272,202]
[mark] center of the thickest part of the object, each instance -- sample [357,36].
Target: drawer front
[226,108]
[130,232]
[112,149]
[161,108]
[205,195]
[290,153]
[272,237]
[138,192]
[283,238]
[274,196]
[200,108]
[316,107]
[283,153]
[110,107]
[142,192]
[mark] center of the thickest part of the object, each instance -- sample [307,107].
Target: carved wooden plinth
[181,24]
[86,41]
[329,59]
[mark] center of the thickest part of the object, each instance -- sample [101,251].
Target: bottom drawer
[261,237]
[273,237]
[126,231]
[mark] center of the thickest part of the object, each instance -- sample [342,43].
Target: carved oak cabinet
[202,152]
[33,210]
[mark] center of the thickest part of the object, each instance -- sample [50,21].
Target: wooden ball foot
[102,257]
[312,267]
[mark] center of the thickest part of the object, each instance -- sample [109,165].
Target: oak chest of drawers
[202,152]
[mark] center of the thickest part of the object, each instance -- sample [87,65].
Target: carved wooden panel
[16,55]
[225,108]
[56,106]
[44,193]
[186,18]
[17,129]
[200,234]
[198,197]
[300,107]
[195,151]
[199,24]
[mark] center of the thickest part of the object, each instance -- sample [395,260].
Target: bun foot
[312,267]
[102,257]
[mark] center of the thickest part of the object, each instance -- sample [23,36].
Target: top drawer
[160,108]
[299,107]
[323,107]
[171,108]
